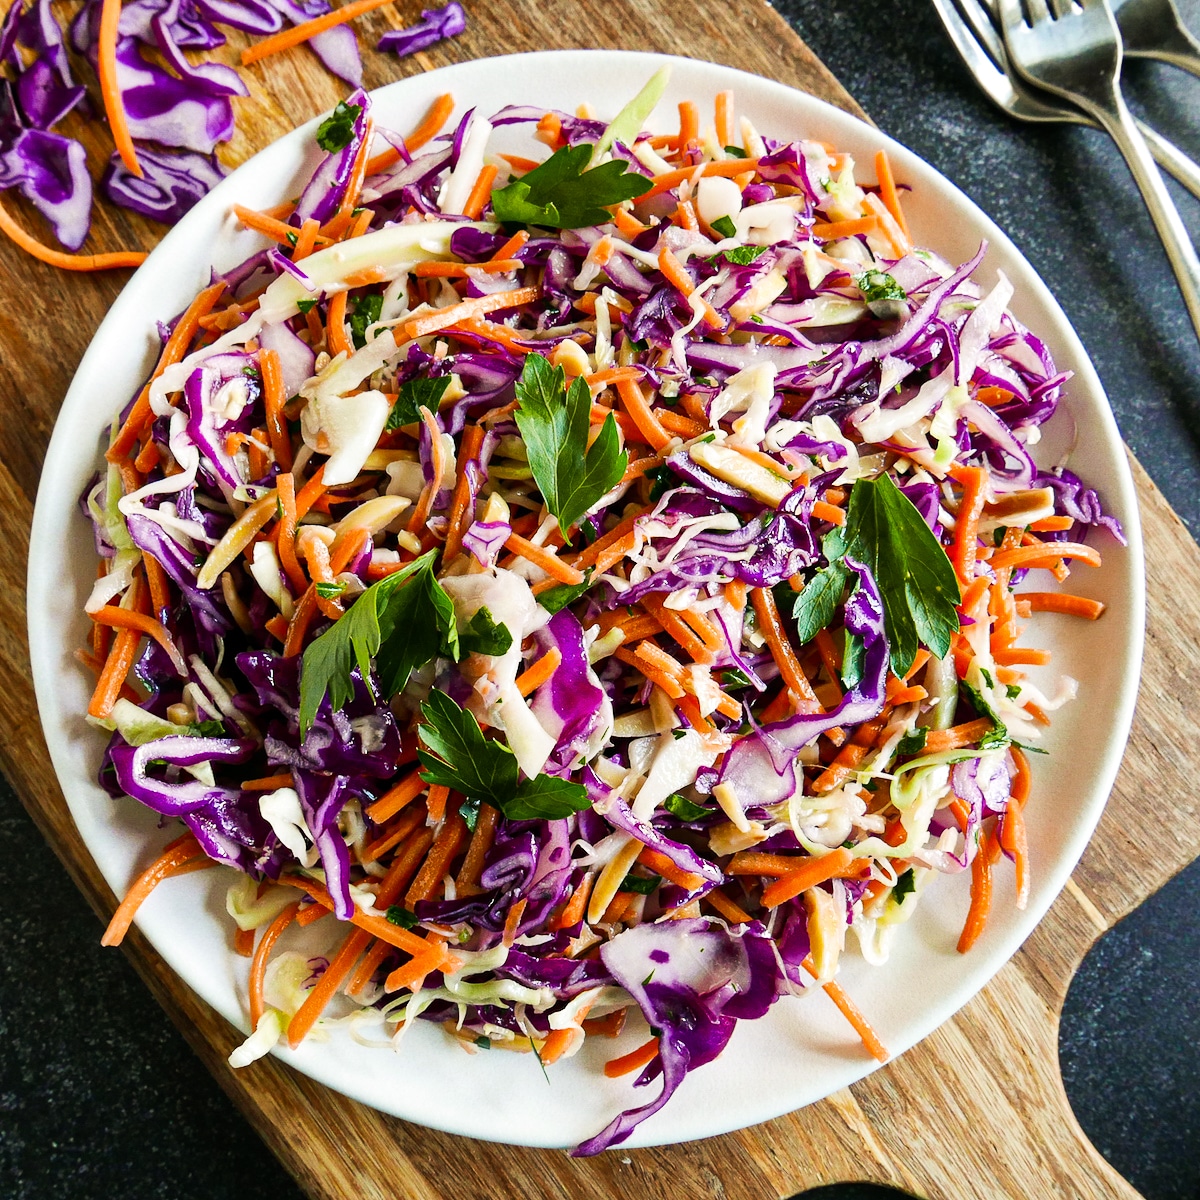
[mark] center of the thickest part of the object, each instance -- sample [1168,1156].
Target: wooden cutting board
[977,1110]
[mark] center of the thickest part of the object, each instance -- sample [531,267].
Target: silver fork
[1154,29]
[1076,54]
[981,48]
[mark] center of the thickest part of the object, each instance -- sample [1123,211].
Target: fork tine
[1062,8]
[1037,10]
[984,29]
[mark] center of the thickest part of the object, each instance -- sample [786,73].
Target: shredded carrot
[116,668]
[888,192]
[732,912]
[660,864]
[1042,554]
[268,783]
[396,936]
[670,179]
[512,922]
[445,846]
[276,230]
[666,681]
[306,608]
[458,270]
[336,341]
[677,628]
[179,852]
[306,239]
[393,800]
[110,87]
[849,1010]
[411,974]
[828,512]
[773,632]
[458,517]
[981,896]
[1076,606]
[273,402]
[676,275]
[633,1061]
[121,618]
[467,879]
[541,557]
[298,34]
[258,965]
[403,828]
[243,943]
[478,306]
[723,117]
[539,672]
[754,862]
[815,870]
[332,978]
[481,191]
[557,1042]
[156,579]
[966,526]
[689,123]
[429,128]
[957,736]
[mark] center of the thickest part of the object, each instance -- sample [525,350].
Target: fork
[1154,29]
[1076,54]
[979,45]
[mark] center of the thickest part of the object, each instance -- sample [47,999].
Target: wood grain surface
[977,1110]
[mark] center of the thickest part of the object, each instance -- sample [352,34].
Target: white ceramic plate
[802,1050]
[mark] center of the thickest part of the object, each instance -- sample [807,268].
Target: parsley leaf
[367,310]
[879,285]
[735,151]
[916,581]
[555,421]
[725,226]
[207,729]
[485,635]
[306,306]
[817,600]
[905,886]
[455,754]
[558,597]
[741,255]
[401,619]
[912,742]
[681,807]
[852,659]
[563,194]
[337,130]
[416,394]
[734,680]
[330,591]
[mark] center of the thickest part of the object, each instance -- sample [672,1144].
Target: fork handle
[1113,114]
[1175,45]
[1172,159]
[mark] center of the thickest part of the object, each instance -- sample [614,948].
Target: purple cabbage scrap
[337,48]
[571,705]
[325,190]
[50,171]
[693,982]
[322,798]
[171,182]
[435,25]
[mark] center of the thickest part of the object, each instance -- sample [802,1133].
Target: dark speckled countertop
[100,1097]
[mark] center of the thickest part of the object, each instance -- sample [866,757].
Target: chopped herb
[853,656]
[678,733]
[987,677]
[367,309]
[725,227]
[330,591]
[337,130]
[484,1043]
[207,729]
[397,914]
[664,479]
[416,394]
[1012,690]
[742,255]
[469,811]
[292,238]
[682,808]
[556,598]
[485,635]
[555,422]
[998,734]
[563,194]
[639,884]
[455,754]
[912,742]
[879,285]
[905,886]
[306,306]
[735,151]
[998,535]
[734,680]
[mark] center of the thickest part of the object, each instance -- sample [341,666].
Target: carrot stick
[306,608]
[723,113]
[481,842]
[110,89]
[306,239]
[412,972]
[541,557]
[849,759]
[966,528]
[437,116]
[754,862]
[670,179]
[176,854]
[888,193]
[814,871]
[402,939]
[472,440]
[1042,554]
[1013,840]
[674,625]
[785,658]
[445,846]
[476,307]
[273,402]
[459,270]
[850,1010]
[660,864]
[156,578]
[68,262]
[335,326]
[1076,606]
[981,896]
[481,192]
[393,800]
[588,556]
[732,912]
[957,736]
[399,833]
[836,230]
[676,275]
[556,1043]
[539,672]
[628,1063]
[510,248]
[258,966]
[286,542]
[335,974]
[668,683]
[689,123]
[298,34]
[122,618]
